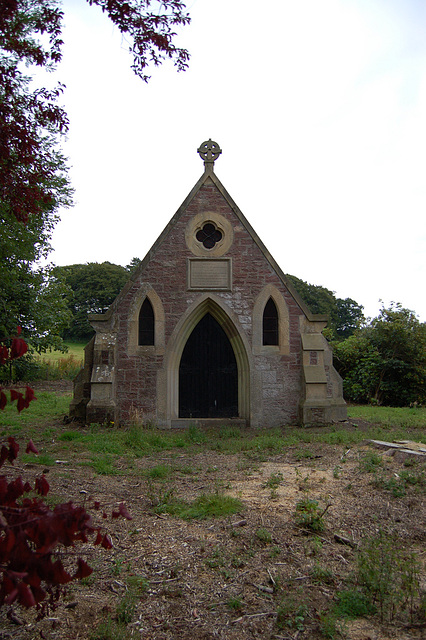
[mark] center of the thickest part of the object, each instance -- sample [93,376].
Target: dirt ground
[253,575]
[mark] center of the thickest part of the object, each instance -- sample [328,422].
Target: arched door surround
[208,373]
[228,321]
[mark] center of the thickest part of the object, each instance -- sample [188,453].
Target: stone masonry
[288,383]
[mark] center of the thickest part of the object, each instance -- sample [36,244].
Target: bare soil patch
[248,576]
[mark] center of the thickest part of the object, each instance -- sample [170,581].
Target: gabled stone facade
[150,363]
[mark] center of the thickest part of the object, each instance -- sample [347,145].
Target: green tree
[133,265]
[34,182]
[33,173]
[345,315]
[94,287]
[30,297]
[385,361]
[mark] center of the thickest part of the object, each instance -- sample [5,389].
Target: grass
[406,417]
[214,505]
[57,365]
[98,445]
[47,408]
[75,349]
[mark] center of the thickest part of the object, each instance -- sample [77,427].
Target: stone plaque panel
[212,274]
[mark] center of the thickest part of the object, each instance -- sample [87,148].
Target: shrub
[31,534]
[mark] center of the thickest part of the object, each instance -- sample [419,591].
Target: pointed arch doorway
[208,373]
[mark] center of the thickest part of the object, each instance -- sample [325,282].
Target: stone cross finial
[209,151]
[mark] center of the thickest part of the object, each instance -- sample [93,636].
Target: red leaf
[31,447]
[41,486]
[3,481]
[124,512]
[3,399]
[106,542]
[98,538]
[17,395]
[25,595]
[21,404]
[13,449]
[83,570]
[8,542]
[4,354]
[18,330]
[29,395]
[60,576]
[3,454]
[15,490]
[12,596]
[19,348]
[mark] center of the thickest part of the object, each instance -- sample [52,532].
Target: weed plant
[65,368]
[264,535]
[386,581]
[388,576]
[352,603]
[321,575]
[370,462]
[43,459]
[292,614]
[310,516]
[160,471]
[398,485]
[31,368]
[330,627]
[104,465]
[110,630]
[275,479]
[235,603]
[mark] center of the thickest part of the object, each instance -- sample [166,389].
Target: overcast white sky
[319,107]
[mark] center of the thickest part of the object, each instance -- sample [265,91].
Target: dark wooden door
[208,374]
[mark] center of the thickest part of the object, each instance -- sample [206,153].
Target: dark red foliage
[31,448]
[30,34]
[83,570]
[151,31]
[32,535]
[106,542]
[122,511]
[16,349]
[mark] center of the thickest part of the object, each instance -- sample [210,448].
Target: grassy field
[55,365]
[75,349]
[414,417]
[101,443]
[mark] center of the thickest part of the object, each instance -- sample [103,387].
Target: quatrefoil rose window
[209,235]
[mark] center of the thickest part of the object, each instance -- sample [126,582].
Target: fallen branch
[239,523]
[254,615]
[343,540]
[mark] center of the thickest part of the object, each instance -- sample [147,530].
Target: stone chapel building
[208,330]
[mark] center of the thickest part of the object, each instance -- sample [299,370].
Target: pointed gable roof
[207,177]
